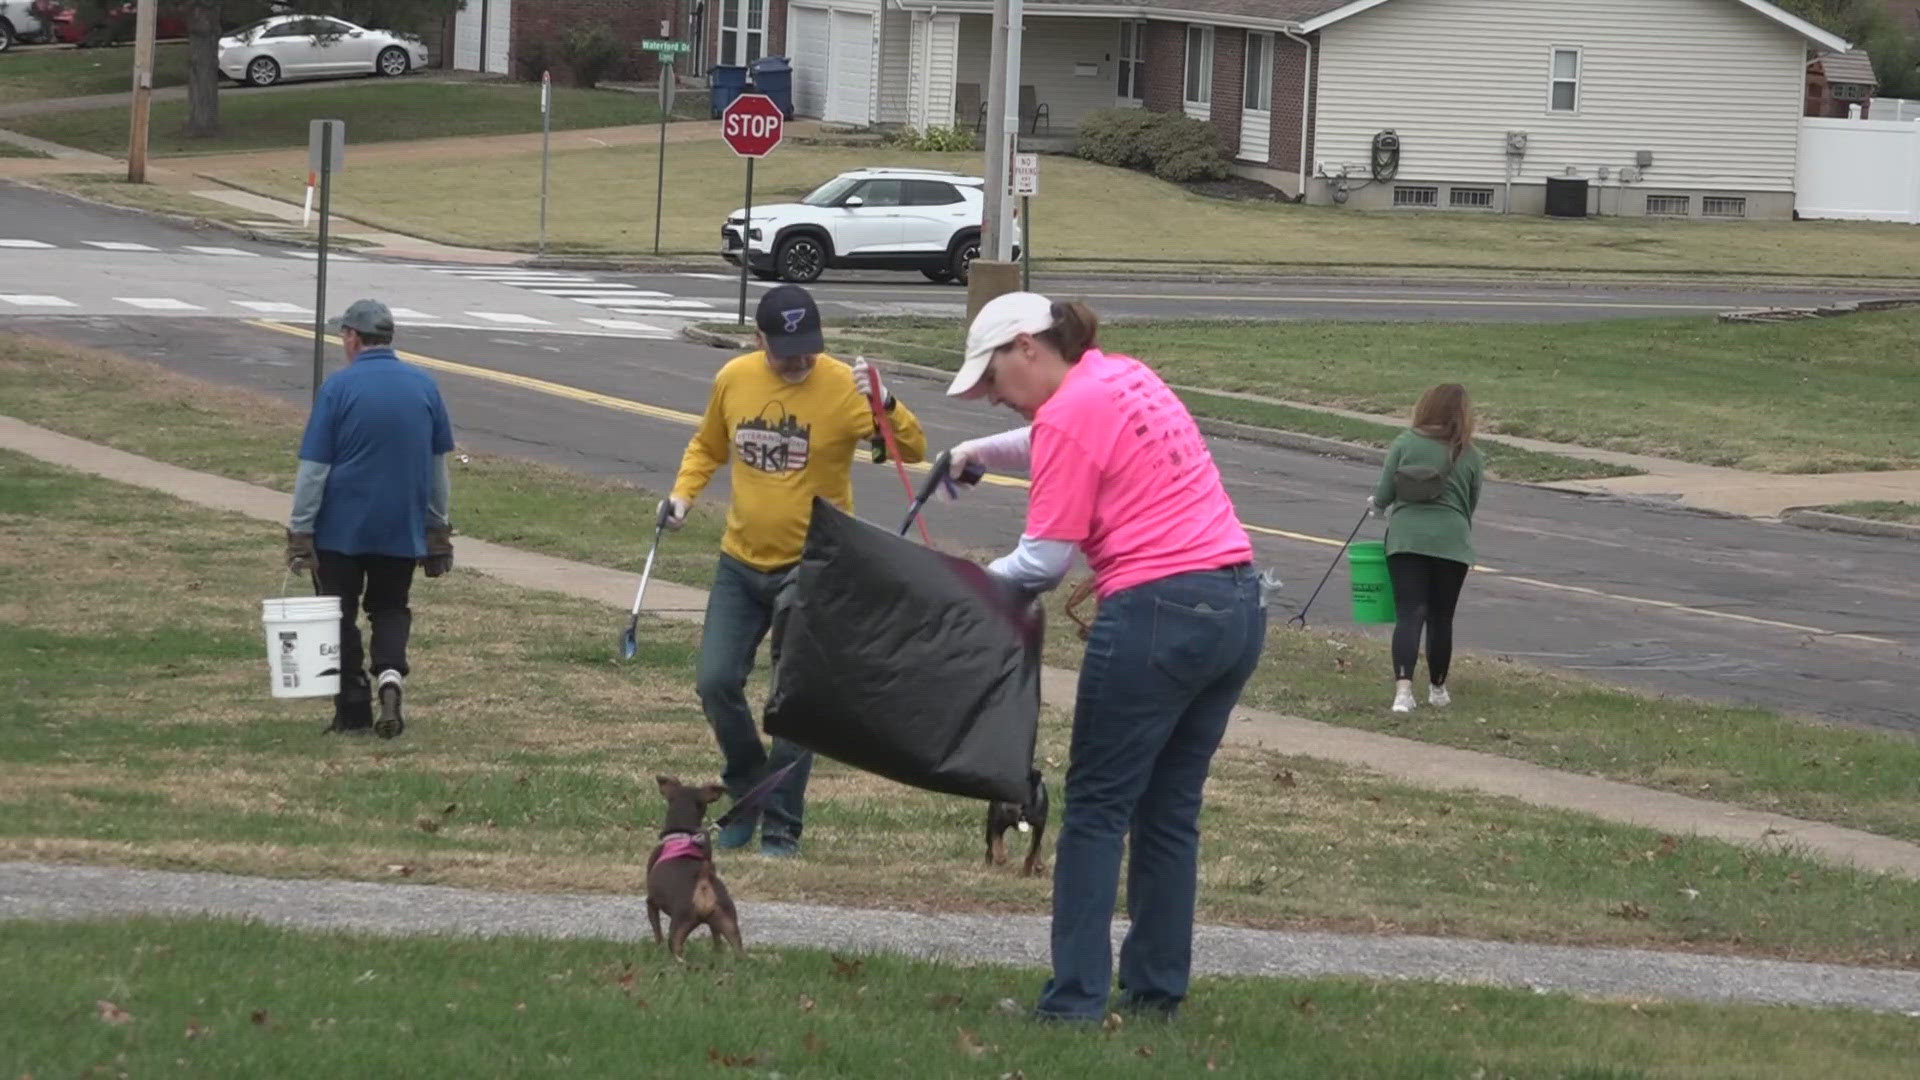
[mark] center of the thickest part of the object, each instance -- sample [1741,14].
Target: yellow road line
[658,412]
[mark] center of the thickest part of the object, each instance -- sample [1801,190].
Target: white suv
[872,219]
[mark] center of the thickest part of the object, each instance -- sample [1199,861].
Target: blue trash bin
[728,82]
[773,76]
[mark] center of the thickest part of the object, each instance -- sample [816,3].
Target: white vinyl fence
[1859,170]
[1893,108]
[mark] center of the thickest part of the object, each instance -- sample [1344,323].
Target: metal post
[320,287]
[660,184]
[995,194]
[1016,13]
[746,243]
[546,133]
[143,35]
[1026,244]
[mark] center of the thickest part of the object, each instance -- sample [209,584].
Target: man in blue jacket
[369,504]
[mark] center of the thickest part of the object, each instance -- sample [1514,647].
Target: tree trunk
[203,69]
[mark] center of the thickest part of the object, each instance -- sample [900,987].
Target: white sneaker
[1403,699]
[1438,697]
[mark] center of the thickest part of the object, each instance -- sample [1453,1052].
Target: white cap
[1000,321]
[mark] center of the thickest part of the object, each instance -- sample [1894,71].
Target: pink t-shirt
[1120,469]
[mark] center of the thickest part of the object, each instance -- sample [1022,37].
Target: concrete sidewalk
[1424,764]
[39,891]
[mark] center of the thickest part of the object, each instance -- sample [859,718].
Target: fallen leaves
[972,1045]
[110,1013]
[812,1044]
[1113,1022]
[1304,1005]
[427,824]
[1627,909]
[947,1001]
[732,1061]
[844,968]
[1144,1051]
[262,1018]
[1285,778]
[196,1031]
[806,1004]
[401,869]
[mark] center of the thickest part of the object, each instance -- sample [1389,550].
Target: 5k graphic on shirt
[773,446]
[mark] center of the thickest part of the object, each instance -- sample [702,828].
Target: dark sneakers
[352,711]
[390,723]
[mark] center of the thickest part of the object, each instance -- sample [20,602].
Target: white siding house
[1709,89]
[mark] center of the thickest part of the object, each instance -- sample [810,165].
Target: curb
[1846,523]
[194,221]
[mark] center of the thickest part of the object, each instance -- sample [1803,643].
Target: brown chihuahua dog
[1030,816]
[681,880]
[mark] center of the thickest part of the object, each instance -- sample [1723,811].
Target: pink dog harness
[682,845]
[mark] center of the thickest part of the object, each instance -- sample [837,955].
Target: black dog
[1030,816]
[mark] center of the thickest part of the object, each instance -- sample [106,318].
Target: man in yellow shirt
[790,419]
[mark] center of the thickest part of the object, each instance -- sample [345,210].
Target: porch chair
[968,108]
[1033,111]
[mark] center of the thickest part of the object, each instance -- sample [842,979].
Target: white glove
[1009,451]
[676,511]
[958,459]
[1374,509]
[861,376]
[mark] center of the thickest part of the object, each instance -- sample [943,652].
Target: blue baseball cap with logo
[789,320]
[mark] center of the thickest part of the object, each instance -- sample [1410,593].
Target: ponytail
[1074,331]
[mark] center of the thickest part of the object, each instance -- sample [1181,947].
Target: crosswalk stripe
[159,303]
[648,302]
[626,324]
[624,290]
[24,244]
[409,313]
[119,245]
[509,318]
[332,256]
[222,251]
[29,300]
[271,307]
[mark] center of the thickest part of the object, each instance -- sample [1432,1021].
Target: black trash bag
[906,663]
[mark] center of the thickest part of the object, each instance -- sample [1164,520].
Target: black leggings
[1425,591]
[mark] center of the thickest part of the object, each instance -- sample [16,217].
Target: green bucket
[1372,587]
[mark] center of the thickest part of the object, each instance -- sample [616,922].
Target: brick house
[1668,107]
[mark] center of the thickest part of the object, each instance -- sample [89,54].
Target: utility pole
[995,172]
[143,33]
[1010,141]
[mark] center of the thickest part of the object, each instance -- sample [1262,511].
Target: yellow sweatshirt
[787,443]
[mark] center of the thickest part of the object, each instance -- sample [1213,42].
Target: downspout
[1306,107]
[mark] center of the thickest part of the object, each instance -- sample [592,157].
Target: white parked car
[315,47]
[21,21]
[869,219]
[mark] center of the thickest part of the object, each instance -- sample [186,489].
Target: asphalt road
[1639,595]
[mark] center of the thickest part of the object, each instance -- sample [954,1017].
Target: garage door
[850,72]
[810,60]
[497,18]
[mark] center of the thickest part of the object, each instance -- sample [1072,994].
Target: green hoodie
[1442,528]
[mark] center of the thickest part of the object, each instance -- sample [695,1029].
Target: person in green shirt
[1428,490]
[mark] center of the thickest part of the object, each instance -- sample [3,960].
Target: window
[1199,71]
[881,193]
[1467,198]
[1565,93]
[1259,80]
[1670,205]
[1723,206]
[1133,61]
[1416,196]
[931,193]
[743,31]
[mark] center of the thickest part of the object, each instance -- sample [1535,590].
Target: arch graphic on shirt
[778,446]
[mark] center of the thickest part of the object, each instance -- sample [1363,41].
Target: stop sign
[752,125]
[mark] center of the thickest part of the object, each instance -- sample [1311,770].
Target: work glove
[1374,509]
[861,370]
[676,512]
[964,466]
[439,558]
[300,554]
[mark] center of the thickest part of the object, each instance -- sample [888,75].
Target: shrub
[590,52]
[936,140]
[1171,146]
[532,59]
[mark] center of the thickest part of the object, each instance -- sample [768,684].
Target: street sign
[320,160]
[1026,174]
[752,125]
[671,48]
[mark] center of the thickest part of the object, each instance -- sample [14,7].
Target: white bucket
[303,645]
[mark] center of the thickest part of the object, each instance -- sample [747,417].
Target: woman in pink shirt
[1121,474]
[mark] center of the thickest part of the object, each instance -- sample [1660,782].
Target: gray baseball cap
[367,317]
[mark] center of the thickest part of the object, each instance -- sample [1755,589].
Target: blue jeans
[1165,665]
[739,614]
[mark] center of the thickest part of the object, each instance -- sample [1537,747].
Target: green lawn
[933,342]
[1740,755]
[1903,512]
[138,731]
[1826,395]
[62,73]
[374,111]
[8,149]
[213,998]
[603,202]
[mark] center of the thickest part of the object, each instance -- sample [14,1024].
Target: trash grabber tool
[630,641]
[1301,618]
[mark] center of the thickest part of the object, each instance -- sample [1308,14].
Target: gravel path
[40,891]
